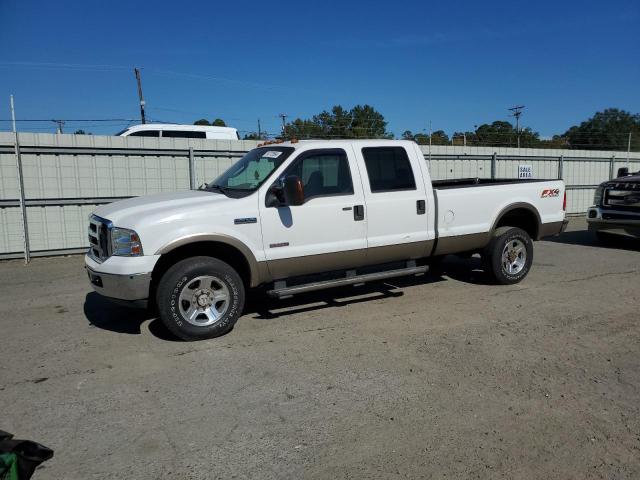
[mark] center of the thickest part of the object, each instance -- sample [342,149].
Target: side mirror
[293,190]
[623,172]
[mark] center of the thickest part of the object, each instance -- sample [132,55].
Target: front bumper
[128,288]
[613,221]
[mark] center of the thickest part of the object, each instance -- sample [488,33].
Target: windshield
[250,171]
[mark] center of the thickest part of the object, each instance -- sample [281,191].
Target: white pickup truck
[301,216]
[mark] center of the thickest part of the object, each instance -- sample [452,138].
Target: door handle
[358,212]
[421,208]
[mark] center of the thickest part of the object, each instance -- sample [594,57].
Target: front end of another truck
[616,208]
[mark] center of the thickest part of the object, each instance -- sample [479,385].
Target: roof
[359,142]
[178,126]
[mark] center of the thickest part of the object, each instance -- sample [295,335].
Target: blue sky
[456,64]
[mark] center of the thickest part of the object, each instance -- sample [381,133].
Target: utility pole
[139,80]
[517,111]
[429,143]
[23,207]
[283,116]
[60,125]
[259,131]
[628,149]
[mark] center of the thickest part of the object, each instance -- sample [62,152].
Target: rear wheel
[509,255]
[200,297]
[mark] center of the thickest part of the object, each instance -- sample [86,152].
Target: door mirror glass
[293,190]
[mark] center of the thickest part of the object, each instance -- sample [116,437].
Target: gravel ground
[427,377]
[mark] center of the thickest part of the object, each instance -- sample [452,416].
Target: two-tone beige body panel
[264,272]
[327,262]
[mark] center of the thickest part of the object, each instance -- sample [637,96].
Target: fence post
[611,162]
[192,170]
[23,207]
[560,167]
[494,159]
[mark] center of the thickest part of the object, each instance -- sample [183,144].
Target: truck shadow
[110,316]
[106,315]
[588,239]
[261,306]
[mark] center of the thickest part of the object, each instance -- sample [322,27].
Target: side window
[183,134]
[145,133]
[323,173]
[388,169]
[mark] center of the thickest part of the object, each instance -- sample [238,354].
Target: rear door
[328,231]
[395,200]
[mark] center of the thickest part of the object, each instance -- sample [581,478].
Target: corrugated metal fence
[66,176]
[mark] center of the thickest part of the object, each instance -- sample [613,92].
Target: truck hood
[160,207]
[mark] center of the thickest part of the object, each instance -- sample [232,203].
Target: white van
[170,130]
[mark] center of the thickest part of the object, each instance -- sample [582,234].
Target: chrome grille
[99,238]
[622,194]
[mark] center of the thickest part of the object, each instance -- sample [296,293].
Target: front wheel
[509,255]
[200,297]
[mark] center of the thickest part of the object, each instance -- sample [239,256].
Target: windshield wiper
[219,188]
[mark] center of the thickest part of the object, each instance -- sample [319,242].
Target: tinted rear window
[145,133]
[388,169]
[183,134]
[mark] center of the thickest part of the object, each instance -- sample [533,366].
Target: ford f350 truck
[301,216]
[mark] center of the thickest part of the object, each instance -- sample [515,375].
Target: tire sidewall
[499,243]
[177,277]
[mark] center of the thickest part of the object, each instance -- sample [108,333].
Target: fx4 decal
[550,192]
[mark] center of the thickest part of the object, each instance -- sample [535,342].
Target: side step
[281,290]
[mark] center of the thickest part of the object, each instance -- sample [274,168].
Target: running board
[282,291]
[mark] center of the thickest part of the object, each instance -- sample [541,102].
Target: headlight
[125,243]
[597,197]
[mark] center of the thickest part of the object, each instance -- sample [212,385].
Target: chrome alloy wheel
[204,300]
[514,257]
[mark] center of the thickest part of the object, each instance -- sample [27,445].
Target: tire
[515,247]
[199,298]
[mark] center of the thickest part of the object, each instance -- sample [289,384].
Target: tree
[503,134]
[218,122]
[606,130]
[362,121]
[407,135]
[421,139]
[439,137]
[202,121]
[80,132]
[254,136]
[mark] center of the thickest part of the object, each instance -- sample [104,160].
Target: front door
[328,231]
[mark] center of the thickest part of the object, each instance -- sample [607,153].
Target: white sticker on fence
[525,171]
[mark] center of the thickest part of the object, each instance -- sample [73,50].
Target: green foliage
[254,136]
[439,137]
[606,130]
[80,132]
[362,121]
[218,122]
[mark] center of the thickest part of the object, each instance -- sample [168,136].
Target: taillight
[564,201]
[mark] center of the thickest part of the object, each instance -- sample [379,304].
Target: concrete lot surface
[428,377]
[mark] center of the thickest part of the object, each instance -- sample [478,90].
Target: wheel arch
[222,247]
[521,215]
